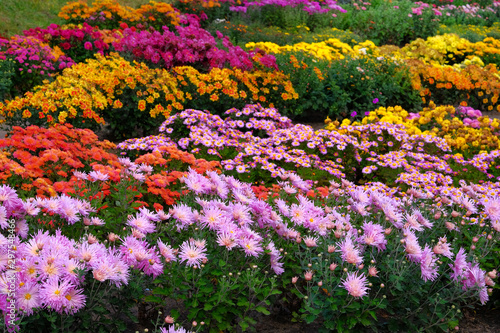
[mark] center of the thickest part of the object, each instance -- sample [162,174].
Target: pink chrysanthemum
[350,252]
[251,247]
[459,266]
[141,223]
[166,251]
[356,286]
[27,297]
[192,254]
[53,292]
[428,265]
[310,241]
[75,301]
[492,208]
[373,235]
[226,239]
[412,247]
[212,218]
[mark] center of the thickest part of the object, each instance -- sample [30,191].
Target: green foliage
[350,84]
[7,72]
[389,22]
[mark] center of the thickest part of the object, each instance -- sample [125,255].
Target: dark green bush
[6,74]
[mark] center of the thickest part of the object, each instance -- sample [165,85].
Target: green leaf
[217,316]
[244,325]
[242,302]
[263,310]
[153,299]
[372,313]
[208,307]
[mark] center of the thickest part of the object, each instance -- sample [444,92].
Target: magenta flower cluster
[33,56]
[76,39]
[190,45]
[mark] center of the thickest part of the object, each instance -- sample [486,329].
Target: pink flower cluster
[265,140]
[421,6]
[312,7]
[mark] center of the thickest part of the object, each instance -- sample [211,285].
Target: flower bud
[169,320]
[112,237]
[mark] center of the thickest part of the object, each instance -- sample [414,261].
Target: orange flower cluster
[110,8]
[44,160]
[201,3]
[40,160]
[473,85]
[79,12]
[169,158]
[104,87]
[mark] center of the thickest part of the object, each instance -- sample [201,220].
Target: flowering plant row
[357,248]
[109,14]
[42,162]
[258,144]
[192,46]
[77,42]
[112,90]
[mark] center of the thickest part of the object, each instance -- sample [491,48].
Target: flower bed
[216,210]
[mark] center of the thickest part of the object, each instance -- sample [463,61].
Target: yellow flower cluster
[113,9]
[446,49]
[330,49]
[489,45]
[90,90]
[442,49]
[480,31]
[440,121]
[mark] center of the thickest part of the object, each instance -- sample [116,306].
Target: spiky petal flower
[350,252]
[428,265]
[492,208]
[459,267]
[356,286]
[412,247]
[192,253]
[373,235]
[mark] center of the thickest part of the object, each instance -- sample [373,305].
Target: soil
[484,319]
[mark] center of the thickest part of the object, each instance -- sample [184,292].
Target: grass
[19,15]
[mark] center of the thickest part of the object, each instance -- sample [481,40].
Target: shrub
[345,87]
[190,45]
[7,72]
[133,99]
[79,43]
[382,22]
